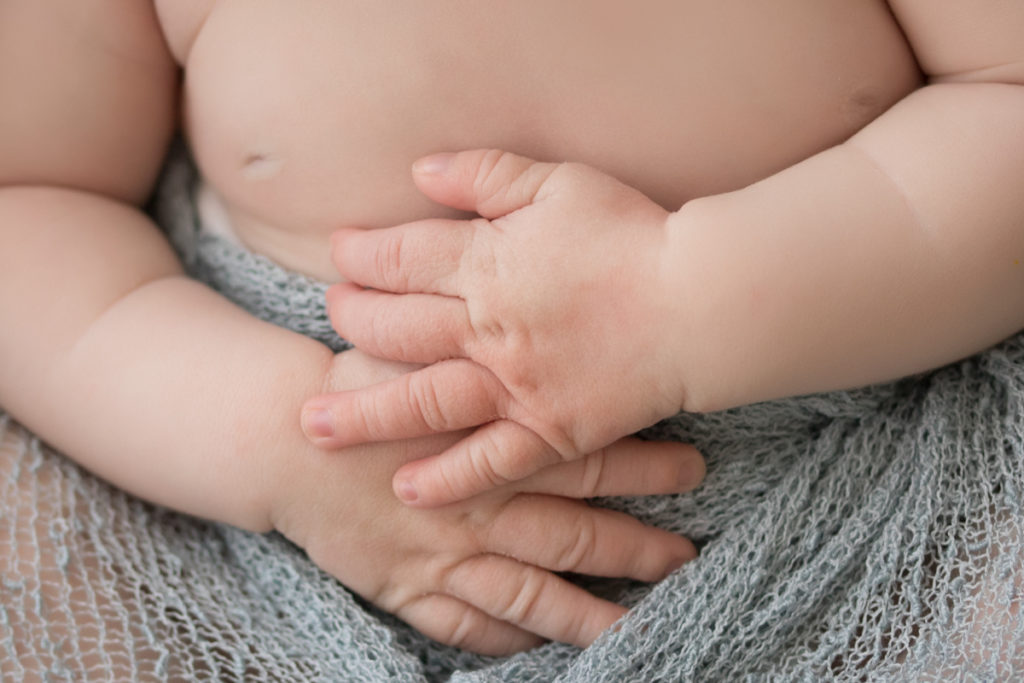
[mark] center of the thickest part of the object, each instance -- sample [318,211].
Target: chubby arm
[167,390]
[893,253]
[575,310]
[108,352]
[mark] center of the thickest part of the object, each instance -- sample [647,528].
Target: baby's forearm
[149,379]
[896,252]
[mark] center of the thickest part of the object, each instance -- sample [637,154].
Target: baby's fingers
[456,623]
[570,536]
[423,256]
[444,397]
[628,467]
[532,599]
[494,455]
[414,328]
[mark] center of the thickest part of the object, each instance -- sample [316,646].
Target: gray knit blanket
[875,534]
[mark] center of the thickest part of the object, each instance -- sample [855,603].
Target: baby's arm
[167,390]
[896,252]
[579,311]
[147,378]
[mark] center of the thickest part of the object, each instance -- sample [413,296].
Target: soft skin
[519,353]
[305,116]
[167,390]
[576,311]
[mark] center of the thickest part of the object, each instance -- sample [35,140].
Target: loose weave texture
[867,535]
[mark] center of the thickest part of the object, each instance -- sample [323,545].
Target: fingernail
[317,423]
[677,563]
[407,492]
[692,475]
[434,164]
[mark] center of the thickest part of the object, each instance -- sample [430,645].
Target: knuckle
[461,631]
[522,603]
[479,263]
[484,328]
[581,548]
[488,172]
[459,336]
[482,261]
[484,461]
[461,576]
[593,473]
[440,573]
[446,481]
[520,452]
[517,376]
[490,525]
[515,597]
[505,179]
[388,260]
[367,416]
[425,403]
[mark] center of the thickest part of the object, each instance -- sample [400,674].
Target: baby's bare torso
[305,115]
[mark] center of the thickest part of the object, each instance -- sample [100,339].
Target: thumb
[488,181]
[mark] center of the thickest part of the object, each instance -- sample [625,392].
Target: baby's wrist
[267,446]
[288,464]
[697,325]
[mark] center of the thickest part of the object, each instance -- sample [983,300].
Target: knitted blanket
[875,534]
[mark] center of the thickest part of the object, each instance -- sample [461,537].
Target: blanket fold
[874,534]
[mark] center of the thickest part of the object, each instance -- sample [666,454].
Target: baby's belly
[306,115]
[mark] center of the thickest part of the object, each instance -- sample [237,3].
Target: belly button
[261,166]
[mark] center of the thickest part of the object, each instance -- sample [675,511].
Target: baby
[871,260]
[162,387]
[306,117]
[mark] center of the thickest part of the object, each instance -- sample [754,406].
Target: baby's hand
[546,321]
[478,574]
